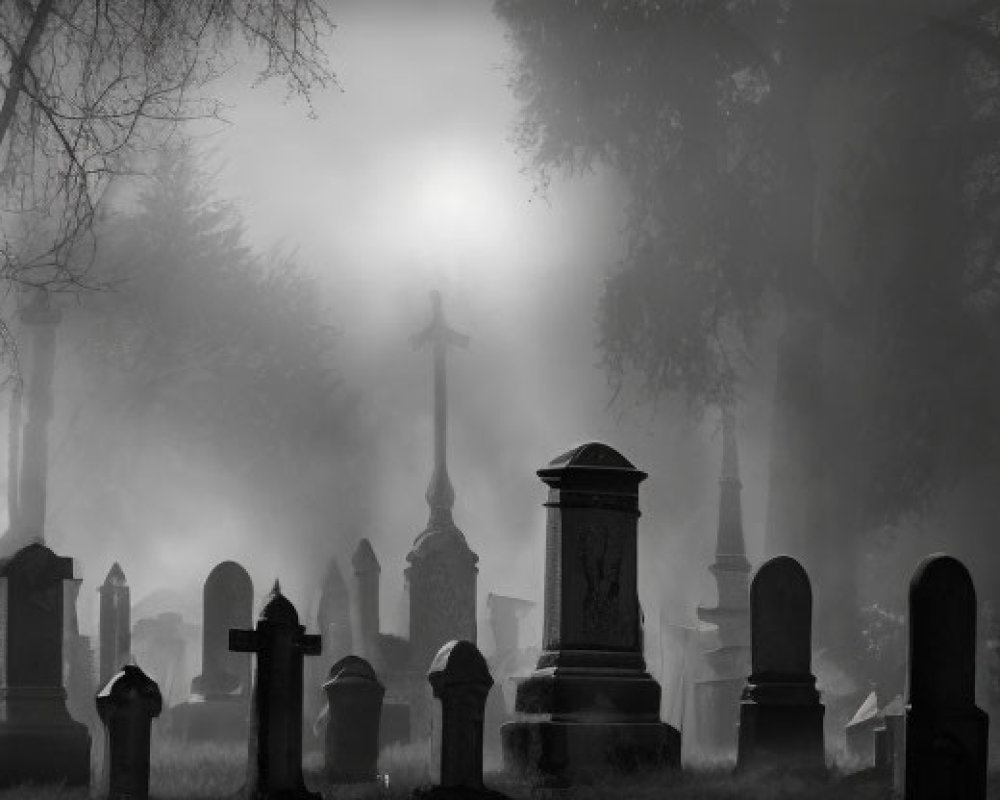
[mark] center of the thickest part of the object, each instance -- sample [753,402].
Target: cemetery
[500,400]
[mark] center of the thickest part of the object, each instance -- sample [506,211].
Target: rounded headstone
[130,687]
[458,663]
[942,635]
[781,619]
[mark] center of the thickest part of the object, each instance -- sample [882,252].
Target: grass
[217,771]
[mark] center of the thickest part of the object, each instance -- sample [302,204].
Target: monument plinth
[597,708]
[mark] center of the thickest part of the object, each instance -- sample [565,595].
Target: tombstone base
[560,752]
[44,753]
[946,754]
[788,736]
[578,694]
[212,719]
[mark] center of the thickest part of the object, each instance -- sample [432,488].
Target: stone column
[461,680]
[127,705]
[365,623]
[781,718]
[946,733]
[275,745]
[354,697]
[115,624]
[597,708]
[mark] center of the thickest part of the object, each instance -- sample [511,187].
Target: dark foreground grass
[217,772]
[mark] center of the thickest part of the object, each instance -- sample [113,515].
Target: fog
[407,180]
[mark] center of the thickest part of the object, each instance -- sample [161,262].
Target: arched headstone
[945,737]
[781,718]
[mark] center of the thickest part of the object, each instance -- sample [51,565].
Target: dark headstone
[39,741]
[781,718]
[275,744]
[461,680]
[228,601]
[115,624]
[127,705]
[860,732]
[946,734]
[219,706]
[596,707]
[354,697]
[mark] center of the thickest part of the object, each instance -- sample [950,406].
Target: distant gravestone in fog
[860,732]
[127,705]
[781,718]
[39,741]
[461,681]
[364,600]
[334,615]
[115,624]
[219,705]
[275,743]
[946,734]
[354,699]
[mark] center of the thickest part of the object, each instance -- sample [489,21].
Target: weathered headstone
[275,744]
[946,733]
[461,680]
[598,708]
[889,740]
[167,648]
[39,741]
[505,614]
[127,705]
[219,705]
[115,624]
[333,620]
[781,718]
[859,732]
[364,601]
[354,697]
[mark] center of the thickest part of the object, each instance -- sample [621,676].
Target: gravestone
[594,707]
[39,741]
[115,624]
[946,734]
[219,704]
[333,620]
[889,739]
[364,601]
[275,743]
[461,680]
[354,698]
[860,732]
[781,718]
[127,705]
[165,645]
[505,614]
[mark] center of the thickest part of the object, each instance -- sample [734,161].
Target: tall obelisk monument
[442,568]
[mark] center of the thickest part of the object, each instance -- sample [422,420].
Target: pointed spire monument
[727,660]
[442,571]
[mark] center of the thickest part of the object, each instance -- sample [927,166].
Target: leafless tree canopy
[90,84]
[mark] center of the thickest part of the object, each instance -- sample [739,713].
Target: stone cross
[127,705]
[945,737]
[440,494]
[594,706]
[781,718]
[354,697]
[115,624]
[275,747]
[228,603]
[461,680]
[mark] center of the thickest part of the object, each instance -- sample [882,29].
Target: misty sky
[406,181]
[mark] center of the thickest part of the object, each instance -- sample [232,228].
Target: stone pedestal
[594,708]
[39,741]
[781,718]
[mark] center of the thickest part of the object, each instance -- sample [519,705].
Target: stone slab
[589,695]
